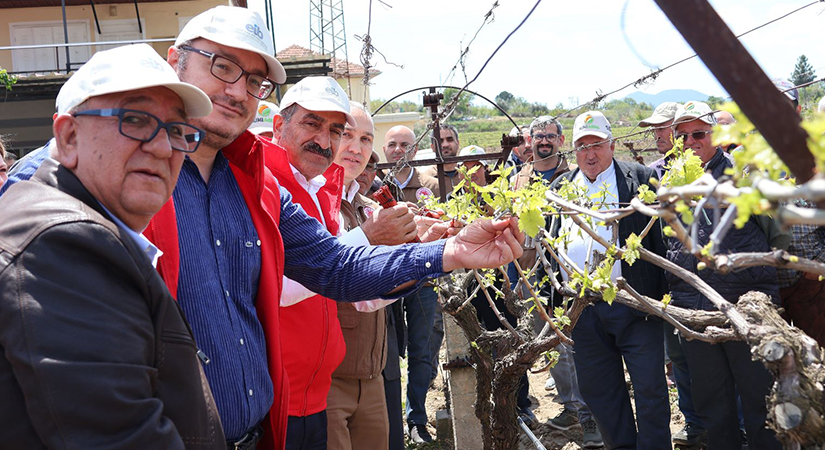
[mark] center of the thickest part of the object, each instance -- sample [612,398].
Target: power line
[654,74]
[450,107]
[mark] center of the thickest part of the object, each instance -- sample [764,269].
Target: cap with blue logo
[319,94]
[235,27]
[128,68]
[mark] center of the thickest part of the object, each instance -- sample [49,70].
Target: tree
[803,72]
[500,357]
[462,108]
[7,80]
[505,100]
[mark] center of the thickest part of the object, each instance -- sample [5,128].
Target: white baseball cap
[664,112]
[472,150]
[235,27]
[694,111]
[264,117]
[128,68]
[319,94]
[591,123]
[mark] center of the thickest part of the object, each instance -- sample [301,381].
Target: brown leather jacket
[365,333]
[94,352]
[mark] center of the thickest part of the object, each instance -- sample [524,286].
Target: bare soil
[545,407]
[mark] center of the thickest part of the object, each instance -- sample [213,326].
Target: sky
[564,53]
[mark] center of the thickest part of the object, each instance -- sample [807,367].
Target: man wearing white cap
[315,114]
[609,337]
[660,120]
[719,371]
[95,352]
[264,118]
[231,233]
[478,177]
[357,411]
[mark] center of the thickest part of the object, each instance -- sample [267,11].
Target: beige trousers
[357,415]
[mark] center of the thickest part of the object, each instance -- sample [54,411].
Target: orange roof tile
[339,66]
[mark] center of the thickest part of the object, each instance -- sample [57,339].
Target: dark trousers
[681,371]
[717,372]
[307,432]
[392,390]
[604,336]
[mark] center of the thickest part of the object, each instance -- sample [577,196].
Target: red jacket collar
[329,196]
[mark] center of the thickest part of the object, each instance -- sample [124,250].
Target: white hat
[319,94]
[264,117]
[663,113]
[472,150]
[128,68]
[235,27]
[591,123]
[692,111]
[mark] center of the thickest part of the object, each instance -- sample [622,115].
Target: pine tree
[803,72]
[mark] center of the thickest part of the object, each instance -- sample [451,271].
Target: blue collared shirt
[25,168]
[220,267]
[220,263]
[149,249]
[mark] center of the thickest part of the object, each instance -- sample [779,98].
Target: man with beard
[546,139]
[230,233]
[660,120]
[449,147]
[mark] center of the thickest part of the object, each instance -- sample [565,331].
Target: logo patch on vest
[368,210]
[423,193]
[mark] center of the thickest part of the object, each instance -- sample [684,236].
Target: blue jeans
[567,384]
[681,371]
[420,310]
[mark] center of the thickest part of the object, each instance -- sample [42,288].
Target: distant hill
[670,95]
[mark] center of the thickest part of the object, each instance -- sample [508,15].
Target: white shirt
[580,241]
[146,245]
[294,292]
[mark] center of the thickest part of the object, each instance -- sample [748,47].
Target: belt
[248,441]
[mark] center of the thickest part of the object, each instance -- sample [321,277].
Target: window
[49,59]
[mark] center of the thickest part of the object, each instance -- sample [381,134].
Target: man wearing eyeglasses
[610,337]
[95,352]
[545,139]
[719,371]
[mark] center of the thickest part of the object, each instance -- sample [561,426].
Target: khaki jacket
[365,333]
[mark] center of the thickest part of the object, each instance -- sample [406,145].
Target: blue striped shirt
[25,168]
[220,262]
[218,282]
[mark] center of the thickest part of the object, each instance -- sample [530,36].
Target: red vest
[313,345]
[260,191]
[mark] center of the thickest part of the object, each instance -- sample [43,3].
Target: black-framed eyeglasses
[549,136]
[142,126]
[696,135]
[371,166]
[230,72]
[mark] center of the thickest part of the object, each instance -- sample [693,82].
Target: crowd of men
[185,265]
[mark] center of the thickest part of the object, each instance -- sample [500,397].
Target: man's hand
[484,244]
[390,226]
[430,229]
